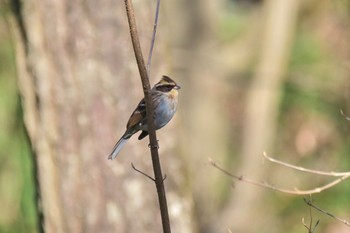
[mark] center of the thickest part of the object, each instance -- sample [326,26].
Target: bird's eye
[165,88]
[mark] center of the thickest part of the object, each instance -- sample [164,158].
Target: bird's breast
[165,111]
[173,94]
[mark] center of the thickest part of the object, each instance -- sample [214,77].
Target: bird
[164,96]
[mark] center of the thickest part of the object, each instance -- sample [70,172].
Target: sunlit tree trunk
[260,116]
[79,84]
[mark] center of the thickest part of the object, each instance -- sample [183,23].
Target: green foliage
[18,212]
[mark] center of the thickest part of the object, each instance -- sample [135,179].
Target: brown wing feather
[138,115]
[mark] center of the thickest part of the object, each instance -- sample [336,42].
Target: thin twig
[310,213]
[143,173]
[304,224]
[309,203]
[296,191]
[153,40]
[302,169]
[343,114]
[149,114]
[310,228]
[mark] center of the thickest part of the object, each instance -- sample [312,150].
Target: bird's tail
[118,146]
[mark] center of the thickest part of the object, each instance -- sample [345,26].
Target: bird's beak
[177,87]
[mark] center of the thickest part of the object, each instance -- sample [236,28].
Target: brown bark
[79,83]
[153,142]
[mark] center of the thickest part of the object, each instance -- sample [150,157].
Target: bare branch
[306,226]
[310,230]
[295,191]
[149,114]
[143,173]
[340,177]
[309,203]
[302,169]
[345,116]
[153,40]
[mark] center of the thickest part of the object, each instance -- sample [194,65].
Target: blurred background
[256,75]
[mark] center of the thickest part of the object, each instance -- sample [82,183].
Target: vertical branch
[150,112]
[153,39]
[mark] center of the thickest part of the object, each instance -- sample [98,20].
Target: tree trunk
[261,113]
[79,84]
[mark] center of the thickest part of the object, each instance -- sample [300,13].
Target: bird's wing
[138,115]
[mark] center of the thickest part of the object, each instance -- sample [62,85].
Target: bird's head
[167,85]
